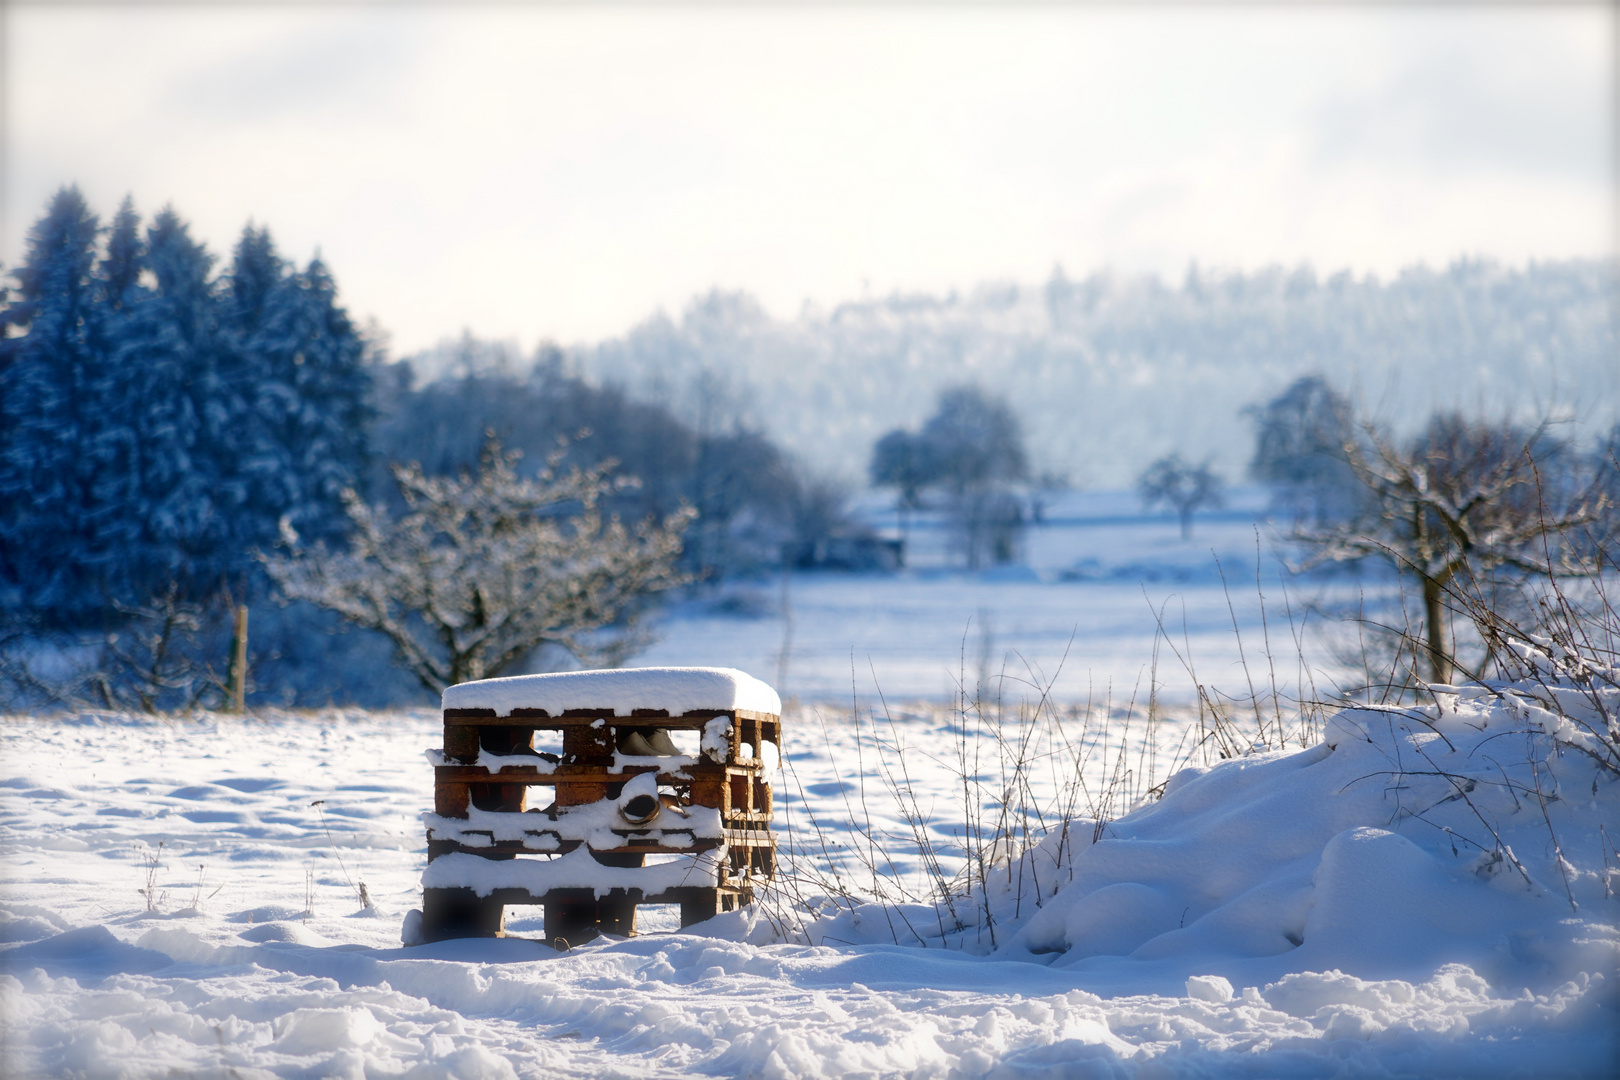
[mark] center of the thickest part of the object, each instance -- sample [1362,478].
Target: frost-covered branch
[1461,504]
[481,570]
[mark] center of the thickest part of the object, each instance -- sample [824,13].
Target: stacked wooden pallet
[659,785]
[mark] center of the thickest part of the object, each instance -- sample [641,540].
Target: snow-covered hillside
[1428,891]
[1109,373]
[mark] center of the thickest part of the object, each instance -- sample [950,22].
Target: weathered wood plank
[539,718]
[451,799]
[527,774]
[507,848]
[523,896]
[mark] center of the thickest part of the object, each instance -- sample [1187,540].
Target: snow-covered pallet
[661,790]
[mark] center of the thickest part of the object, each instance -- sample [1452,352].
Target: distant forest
[1109,372]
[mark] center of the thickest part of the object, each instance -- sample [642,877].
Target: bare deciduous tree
[1462,502]
[1182,486]
[151,658]
[484,569]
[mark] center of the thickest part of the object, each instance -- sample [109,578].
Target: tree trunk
[465,667]
[239,661]
[1185,513]
[1434,614]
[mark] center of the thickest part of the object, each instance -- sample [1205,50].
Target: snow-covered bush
[485,569]
[1563,678]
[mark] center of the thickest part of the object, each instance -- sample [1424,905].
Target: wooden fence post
[239,661]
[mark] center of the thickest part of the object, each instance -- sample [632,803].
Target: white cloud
[563,171]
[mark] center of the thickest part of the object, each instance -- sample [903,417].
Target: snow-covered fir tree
[48,371]
[299,364]
[161,422]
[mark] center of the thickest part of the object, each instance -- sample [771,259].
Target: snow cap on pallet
[676,689]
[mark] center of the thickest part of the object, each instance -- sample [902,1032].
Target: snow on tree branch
[481,570]
[1462,502]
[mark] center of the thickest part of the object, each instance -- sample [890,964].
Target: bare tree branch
[1463,503]
[484,569]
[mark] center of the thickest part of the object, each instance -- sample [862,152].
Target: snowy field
[1078,612]
[1419,893]
[1302,913]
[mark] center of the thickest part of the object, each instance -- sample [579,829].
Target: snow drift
[1475,830]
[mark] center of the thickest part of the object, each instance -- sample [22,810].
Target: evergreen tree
[256,271]
[118,275]
[46,371]
[188,416]
[318,355]
[113,516]
[258,353]
[297,364]
[159,423]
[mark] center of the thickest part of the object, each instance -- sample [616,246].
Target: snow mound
[676,689]
[1476,830]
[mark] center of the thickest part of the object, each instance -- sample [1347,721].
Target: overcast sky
[561,172]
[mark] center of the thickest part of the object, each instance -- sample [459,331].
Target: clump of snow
[593,822]
[575,870]
[676,689]
[496,762]
[666,763]
[717,738]
[639,785]
[1209,988]
[410,931]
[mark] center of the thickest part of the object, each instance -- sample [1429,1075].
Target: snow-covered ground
[1079,611]
[1424,893]
[1427,892]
